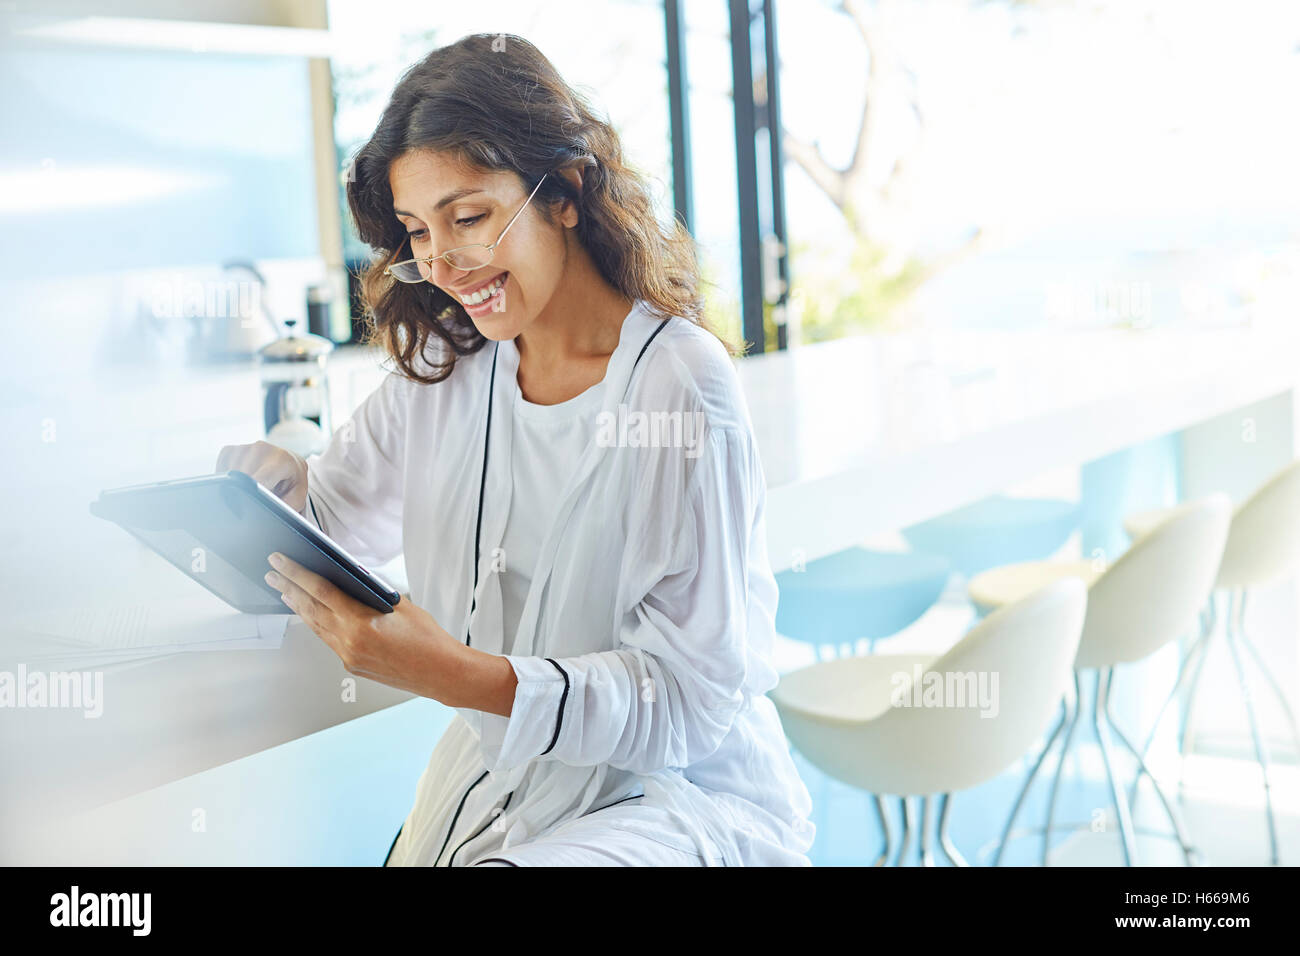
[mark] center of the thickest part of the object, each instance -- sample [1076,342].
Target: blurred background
[987,255]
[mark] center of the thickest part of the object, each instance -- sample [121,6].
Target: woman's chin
[497,326]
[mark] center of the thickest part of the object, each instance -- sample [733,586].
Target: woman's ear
[569,209]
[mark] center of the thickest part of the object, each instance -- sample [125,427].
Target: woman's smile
[486,297]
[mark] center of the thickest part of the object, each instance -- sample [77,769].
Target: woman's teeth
[485,293]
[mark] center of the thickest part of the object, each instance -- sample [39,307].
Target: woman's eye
[418,235]
[470,221]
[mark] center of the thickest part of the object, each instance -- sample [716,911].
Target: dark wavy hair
[495,102]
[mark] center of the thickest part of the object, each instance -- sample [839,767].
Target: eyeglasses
[465,258]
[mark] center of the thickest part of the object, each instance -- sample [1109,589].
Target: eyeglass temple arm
[431,259]
[521,209]
[388,270]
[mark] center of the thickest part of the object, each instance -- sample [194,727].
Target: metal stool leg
[927,857]
[1195,652]
[1020,798]
[1117,793]
[1243,639]
[1260,753]
[1188,850]
[883,859]
[1185,721]
[1060,765]
[945,842]
[1206,619]
[907,831]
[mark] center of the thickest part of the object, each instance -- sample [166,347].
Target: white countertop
[874,433]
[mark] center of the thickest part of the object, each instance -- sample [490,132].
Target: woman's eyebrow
[444,201]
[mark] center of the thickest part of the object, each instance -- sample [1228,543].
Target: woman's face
[443,203]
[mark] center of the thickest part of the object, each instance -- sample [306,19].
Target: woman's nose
[444,275]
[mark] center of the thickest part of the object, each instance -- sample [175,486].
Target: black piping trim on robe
[314,516]
[393,845]
[456,816]
[501,859]
[559,717]
[487,434]
[635,796]
[647,343]
[451,859]
[482,485]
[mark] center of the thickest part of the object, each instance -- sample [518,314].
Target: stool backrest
[966,716]
[1264,542]
[1154,590]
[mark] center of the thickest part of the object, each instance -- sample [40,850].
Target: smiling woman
[470,133]
[596,603]
[481,295]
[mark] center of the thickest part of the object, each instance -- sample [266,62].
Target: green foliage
[864,298]
[721,305]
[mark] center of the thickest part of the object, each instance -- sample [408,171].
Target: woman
[566,460]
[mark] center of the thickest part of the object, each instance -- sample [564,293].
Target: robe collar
[486,625]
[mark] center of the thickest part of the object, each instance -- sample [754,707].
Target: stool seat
[1143,522]
[850,690]
[857,593]
[995,531]
[999,587]
[916,725]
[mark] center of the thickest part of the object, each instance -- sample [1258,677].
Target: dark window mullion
[777,167]
[742,82]
[679,112]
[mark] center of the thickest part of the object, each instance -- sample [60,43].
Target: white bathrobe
[643,652]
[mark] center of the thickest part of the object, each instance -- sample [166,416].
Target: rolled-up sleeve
[669,694]
[355,486]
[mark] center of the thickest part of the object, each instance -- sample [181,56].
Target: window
[1025,164]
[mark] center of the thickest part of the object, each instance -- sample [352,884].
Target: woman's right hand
[281,472]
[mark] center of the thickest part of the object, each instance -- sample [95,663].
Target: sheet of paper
[103,634]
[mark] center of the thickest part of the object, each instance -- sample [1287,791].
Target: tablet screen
[219,529]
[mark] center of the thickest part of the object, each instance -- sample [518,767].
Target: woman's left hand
[405,649]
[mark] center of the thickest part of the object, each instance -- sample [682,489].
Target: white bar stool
[1263,546]
[1136,606]
[871,721]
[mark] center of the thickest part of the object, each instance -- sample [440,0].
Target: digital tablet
[219,530]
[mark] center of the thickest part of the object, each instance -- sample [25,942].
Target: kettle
[295,389]
[236,333]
